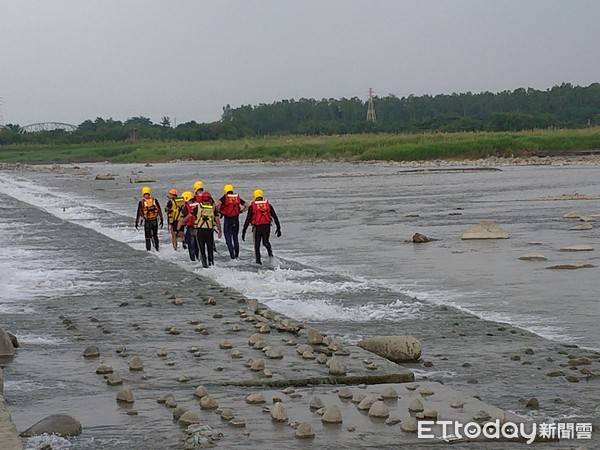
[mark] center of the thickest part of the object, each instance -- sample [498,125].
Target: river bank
[358,147]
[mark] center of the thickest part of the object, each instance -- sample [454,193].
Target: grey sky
[68,60]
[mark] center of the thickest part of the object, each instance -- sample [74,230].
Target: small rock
[162,353]
[236,354]
[114,380]
[189,418]
[533,257]
[308,355]
[226,345]
[321,358]
[389,393]
[367,402]
[572,379]
[425,392]
[415,405]
[255,399]
[278,412]
[125,395]
[358,397]
[336,366]
[238,423]
[227,414]
[457,404]
[313,336]
[409,425]
[577,248]
[345,393]
[136,364]
[170,402]
[533,403]
[316,403]
[379,409]
[207,402]
[332,414]
[393,420]
[91,352]
[258,365]
[178,412]
[430,414]
[104,370]
[304,431]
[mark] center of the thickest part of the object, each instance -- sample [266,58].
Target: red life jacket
[261,212]
[189,211]
[230,207]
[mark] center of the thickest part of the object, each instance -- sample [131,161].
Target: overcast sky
[69,60]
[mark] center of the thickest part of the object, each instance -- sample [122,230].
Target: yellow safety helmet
[146,190]
[258,193]
[187,196]
[198,185]
[228,188]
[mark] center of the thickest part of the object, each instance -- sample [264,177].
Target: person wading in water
[206,224]
[260,214]
[149,211]
[173,210]
[230,206]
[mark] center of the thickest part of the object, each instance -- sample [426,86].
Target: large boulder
[485,230]
[6,345]
[395,348]
[60,424]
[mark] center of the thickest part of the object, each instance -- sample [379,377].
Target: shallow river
[342,261]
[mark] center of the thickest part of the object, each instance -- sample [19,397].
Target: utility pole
[371,117]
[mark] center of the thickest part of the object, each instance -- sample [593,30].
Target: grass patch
[393,147]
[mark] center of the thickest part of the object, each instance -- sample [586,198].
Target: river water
[342,262]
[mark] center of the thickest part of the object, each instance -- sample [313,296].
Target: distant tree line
[564,106]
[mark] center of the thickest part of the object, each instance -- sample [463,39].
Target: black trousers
[262,233]
[206,242]
[151,233]
[231,230]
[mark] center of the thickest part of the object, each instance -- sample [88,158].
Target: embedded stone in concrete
[415,405]
[207,402]
[189,418]
[389,393]
[200,392]
[304,431]
[91,352]
[345,393]
[278,412]
[255,399]
[313,336]
[379,409]
[366,402]
[125,395]
[136,364]
[316,403]
[332,414]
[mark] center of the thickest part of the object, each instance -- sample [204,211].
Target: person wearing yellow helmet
[230,206]
[149,212]
[190,216]
[260,215]
[186,223]
[173,210]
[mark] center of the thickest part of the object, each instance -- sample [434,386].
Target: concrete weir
[9,439]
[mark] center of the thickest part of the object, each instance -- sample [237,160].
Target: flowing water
[342,263]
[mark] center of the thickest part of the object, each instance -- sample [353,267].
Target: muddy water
[342,263]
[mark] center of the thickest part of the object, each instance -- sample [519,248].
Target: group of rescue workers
[194,217]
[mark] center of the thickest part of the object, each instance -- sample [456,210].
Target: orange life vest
[261,212]
[149,209]
[231,205]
